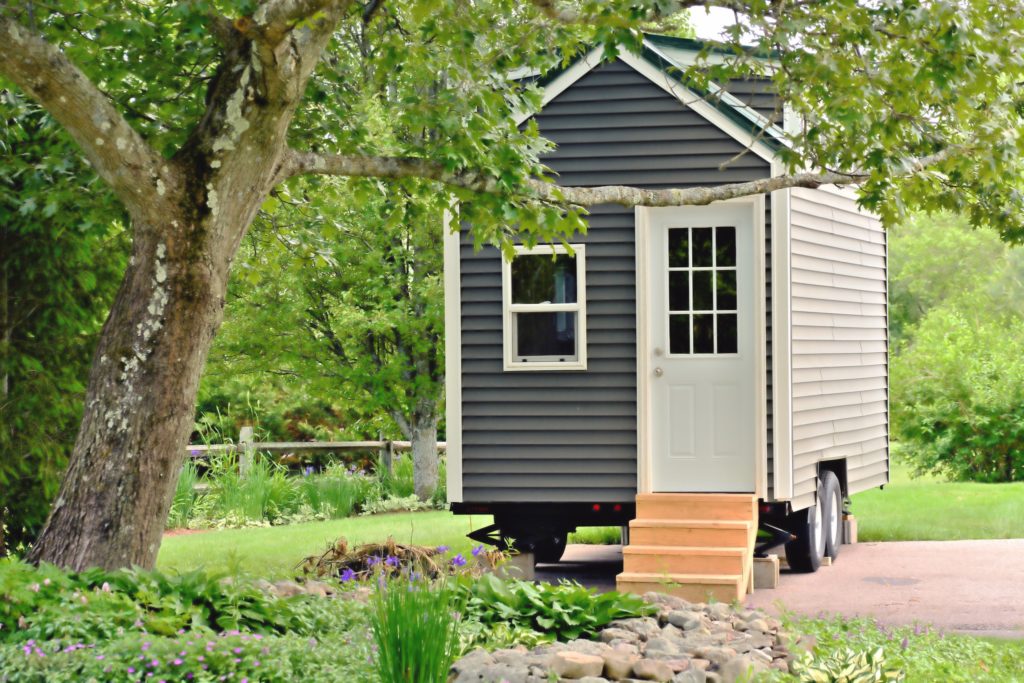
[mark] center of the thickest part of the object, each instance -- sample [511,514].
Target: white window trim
[580,308]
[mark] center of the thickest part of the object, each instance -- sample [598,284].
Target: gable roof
[662,60]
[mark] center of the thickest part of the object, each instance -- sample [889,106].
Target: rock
[587,647]
[691,676]
[287,589]
[685,619]
[645,627]
[625,648]
[678,664]
[719,611]
[660,646]
[669,602]
[759,625]
[759,656]
[618,665]
[712,677]
[741,669]
[319,589]
[610,634]
[264,585]
[716,655]
[652,670]
[781,665]
[515,655]
[671,632]
[593,679]
[576,665]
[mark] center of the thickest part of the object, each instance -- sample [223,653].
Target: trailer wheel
[805,552]
[833,513]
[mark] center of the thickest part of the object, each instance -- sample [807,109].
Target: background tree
[62,247]
[957,369]
[193,112]
[350,283]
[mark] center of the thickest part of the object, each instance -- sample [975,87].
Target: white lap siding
[839,342]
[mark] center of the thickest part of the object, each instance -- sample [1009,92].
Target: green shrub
[46,603]
[337,492]
[264,492]
[958,397]
[597,535]
[184,496]
[847,666]
[566,611]
[415,627]
[398,483]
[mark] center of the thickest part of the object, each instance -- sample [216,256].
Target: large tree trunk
[114,498]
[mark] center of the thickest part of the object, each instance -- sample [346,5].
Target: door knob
[658,372]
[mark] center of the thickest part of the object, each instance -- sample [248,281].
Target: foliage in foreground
[415,626]
[920,652]
[565,611]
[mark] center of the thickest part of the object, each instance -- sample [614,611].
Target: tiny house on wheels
[695,373]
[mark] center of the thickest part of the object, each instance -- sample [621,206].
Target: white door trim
[453,353]
[643,370]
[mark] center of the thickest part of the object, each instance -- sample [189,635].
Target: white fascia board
[453,353]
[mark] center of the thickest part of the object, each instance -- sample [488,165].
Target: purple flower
[347,575]
[308,471]
[373,561]
[459,561]
[443,548]
[131,670]
[477,551]
[392,561]
[177,662]
[237,650]
[905,644]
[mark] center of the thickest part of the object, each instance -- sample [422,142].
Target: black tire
[805,552]
[832,516]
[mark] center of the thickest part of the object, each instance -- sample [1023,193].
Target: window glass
[702,248]
[678,247]
[679,333]
[543,278]
[679,291]
[546,334]
[706,288]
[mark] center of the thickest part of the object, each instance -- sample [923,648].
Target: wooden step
[692,587]
[723,506]
[691,532]
[683,560]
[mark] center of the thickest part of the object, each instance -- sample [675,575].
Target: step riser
[684,509]
[689,592]
[681,564]
[681,536]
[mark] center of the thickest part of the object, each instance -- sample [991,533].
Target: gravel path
[974,587]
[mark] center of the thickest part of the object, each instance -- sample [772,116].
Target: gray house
[691,373]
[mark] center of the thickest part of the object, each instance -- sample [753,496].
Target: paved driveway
[972,587]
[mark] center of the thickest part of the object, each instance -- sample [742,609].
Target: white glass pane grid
[714,268]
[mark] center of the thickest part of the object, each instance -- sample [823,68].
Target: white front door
[701,371]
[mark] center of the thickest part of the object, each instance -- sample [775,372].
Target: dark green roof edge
[710,46]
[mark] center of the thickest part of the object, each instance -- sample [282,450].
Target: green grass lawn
[274,551]
[928,509]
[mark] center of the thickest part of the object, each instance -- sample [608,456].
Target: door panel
[700,270]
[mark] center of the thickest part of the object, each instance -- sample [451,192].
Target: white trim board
[453,353]
[782,373]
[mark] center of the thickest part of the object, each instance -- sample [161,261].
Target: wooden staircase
[693,545]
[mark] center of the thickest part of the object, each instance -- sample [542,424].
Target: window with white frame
[544,304]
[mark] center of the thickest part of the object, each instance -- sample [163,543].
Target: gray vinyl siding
[759,95]
[839,342]
[572,436]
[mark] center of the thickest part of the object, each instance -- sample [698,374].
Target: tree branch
[114,149]
[299,163]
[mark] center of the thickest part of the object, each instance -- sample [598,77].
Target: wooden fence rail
[246,447]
